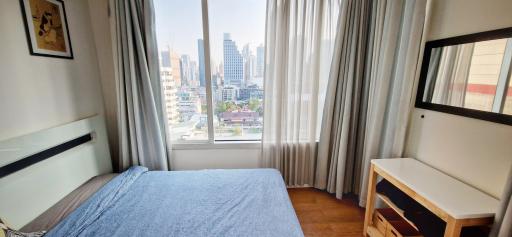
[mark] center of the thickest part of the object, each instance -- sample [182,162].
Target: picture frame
[46,27]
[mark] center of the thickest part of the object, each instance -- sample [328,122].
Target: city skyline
[237,92]
[237,34]
[244,25]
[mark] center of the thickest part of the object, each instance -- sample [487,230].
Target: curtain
[396,33]
[142,135]
[450,74]
[344,113]
[504,215]
[299,45]
[370,91]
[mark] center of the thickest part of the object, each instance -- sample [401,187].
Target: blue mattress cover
[250,202]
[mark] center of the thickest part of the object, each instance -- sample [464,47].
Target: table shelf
[399,211]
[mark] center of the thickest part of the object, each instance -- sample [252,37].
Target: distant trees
[221,107]
[254,104]
[227,106]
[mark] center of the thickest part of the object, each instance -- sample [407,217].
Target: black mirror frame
[471,113]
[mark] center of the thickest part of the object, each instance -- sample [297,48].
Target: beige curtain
[345,106]
[299,39]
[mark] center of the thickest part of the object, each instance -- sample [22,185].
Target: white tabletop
[459,200]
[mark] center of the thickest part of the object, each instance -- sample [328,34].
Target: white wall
[102,38]
[474,151]
[231,158]
[42,92]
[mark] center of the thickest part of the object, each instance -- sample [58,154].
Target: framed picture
[46,27]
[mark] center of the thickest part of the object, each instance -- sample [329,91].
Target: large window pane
[179,35]
[237,34]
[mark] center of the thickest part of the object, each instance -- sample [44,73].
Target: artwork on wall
[46,28]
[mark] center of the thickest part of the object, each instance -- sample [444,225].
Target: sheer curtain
[141,128]
[370,91]
[396,33]
[299,43]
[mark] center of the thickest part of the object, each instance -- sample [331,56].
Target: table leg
[453,228]
[370,199]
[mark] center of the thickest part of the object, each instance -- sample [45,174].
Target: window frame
[211,143]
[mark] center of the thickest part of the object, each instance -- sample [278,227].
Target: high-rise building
[260,60]
[185,70]
[165,58]
[170,95]
[249,66]
[170,62]
[233,63]
[200,52]
[176,68]
[194,75]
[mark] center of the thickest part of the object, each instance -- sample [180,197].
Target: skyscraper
[200,49]
[176,68]
[165,58]
[260,60]
[169,89]
[185,70]
[170,64]
[193,74]
[249,62]
[233,63]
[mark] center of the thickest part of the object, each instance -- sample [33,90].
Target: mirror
[469,75]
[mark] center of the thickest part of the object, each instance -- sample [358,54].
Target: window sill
[256,145]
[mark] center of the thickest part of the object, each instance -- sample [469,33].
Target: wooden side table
[456,203]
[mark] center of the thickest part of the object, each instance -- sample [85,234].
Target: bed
[138,202]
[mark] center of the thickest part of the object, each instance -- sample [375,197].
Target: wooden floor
[321,214]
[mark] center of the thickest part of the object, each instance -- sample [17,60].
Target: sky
[179,24]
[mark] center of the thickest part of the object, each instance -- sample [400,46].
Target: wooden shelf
[390,204]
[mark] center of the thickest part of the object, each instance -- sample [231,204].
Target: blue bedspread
[138,202]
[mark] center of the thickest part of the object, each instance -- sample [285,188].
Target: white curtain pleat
[397,35]
[298,45]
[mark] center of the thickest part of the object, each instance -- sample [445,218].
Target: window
[237,57]
[212,68]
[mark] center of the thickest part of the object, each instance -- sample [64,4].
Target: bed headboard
[39,169]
